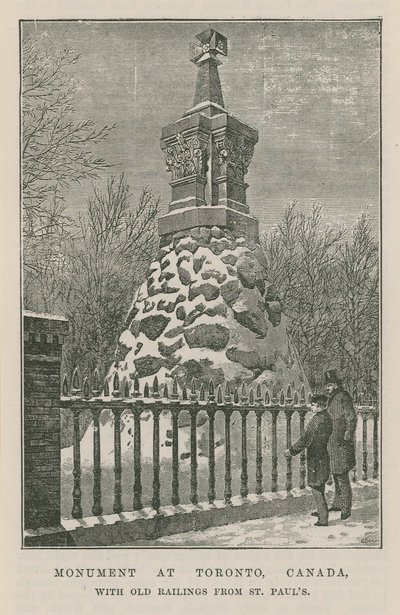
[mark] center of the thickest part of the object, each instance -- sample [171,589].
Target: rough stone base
[112,530]
[209,216]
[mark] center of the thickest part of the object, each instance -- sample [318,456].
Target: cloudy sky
[310,88]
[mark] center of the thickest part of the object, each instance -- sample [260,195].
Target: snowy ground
[295,530]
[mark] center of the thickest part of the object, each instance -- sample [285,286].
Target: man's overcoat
[315,440]
[341,445]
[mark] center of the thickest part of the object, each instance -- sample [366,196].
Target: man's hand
[287,454]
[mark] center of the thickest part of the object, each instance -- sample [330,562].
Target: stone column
[43,340]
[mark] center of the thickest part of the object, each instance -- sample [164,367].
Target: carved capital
[186,156]
[234,155]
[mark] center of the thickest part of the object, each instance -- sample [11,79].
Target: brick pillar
[43,340]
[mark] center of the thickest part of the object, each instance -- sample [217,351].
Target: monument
[207,310]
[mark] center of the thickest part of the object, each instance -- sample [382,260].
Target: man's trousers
[322,508]
[343,494]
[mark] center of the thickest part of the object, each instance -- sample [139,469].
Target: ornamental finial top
[211,44]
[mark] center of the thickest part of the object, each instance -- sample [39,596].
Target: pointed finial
[175,394]
[96,382]
[204,55]
[136,387]
[106,390]
[86,388]
[267,399]
[193,394]
[236,396]
[251,397]
[146,392]
[219,394]
[211,394]
[202,392]
[156,392]
[76,385]
[65,390]
[227,393]
[127,388]
[116,385]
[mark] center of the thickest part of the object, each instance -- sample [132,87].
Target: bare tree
[357,318]
[301,256]
[107,261]
[56,151]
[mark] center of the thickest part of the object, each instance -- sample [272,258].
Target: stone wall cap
[30,314]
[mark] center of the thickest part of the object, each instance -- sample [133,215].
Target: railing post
[228,474]
[244,489]
[175,499]
[274,451]
[97,508]
[302,415]
[117,506]
[76,472]
[259,472]
[289,414]
[155,502]
[193,456]
[375,446]
[137,465]
[211,455]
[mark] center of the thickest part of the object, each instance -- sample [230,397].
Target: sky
[310,88]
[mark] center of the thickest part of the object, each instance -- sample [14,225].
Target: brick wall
[43,340]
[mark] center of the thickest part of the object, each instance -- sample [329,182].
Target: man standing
[341,445]
[315,440]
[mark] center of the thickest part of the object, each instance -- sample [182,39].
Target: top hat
[331,375]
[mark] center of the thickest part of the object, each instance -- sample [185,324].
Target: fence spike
[202,393]
[219,394]
[156,392]
[289,393]
[175,394]
[258,392]
[274,394]
[227,393]
[236,396]
[267,399]
[136,387]
[193,394]
[96,382]
[244,393]
[115,385]
[166,393]
[211,391]
[184,393]
[65,390]
[303,394]
[106,390]
[282,398]
[127,389]
[251,397]
[146,392]
[86,388]
[76,386]
[296,398]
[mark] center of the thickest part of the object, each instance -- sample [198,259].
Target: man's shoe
[334,509]
[319,524]
[344,516]
[314,514]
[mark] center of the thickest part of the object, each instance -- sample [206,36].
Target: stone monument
[207,310]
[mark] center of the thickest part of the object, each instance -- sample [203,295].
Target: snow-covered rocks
[206,311]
